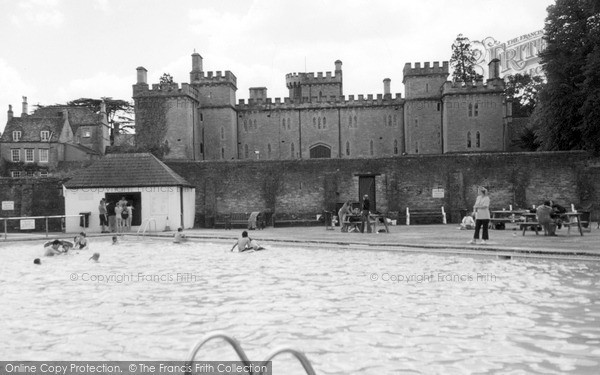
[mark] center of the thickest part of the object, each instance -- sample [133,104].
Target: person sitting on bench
[545,219]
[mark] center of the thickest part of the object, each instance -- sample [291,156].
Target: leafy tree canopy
[522,90]
[166,78]
[567,116]
[463,60]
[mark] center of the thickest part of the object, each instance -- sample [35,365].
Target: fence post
[46,226]
[5,235]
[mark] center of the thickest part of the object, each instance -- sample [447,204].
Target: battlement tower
[426,81]
[307,85]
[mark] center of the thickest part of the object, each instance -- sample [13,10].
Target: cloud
[38,12]
[14,88]
[101,84]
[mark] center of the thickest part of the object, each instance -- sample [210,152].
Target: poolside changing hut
[155,191]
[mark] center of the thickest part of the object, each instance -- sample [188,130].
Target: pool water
[350,311]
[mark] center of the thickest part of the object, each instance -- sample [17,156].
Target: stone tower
[165,117]
[305,87]
[422,110]
[216,130]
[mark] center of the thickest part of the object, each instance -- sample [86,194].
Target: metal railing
[145,225]
[6,219]
[242,355]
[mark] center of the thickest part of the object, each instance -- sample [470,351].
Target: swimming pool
[350,311]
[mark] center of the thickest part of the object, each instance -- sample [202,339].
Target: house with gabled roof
[34,144]
[158,195]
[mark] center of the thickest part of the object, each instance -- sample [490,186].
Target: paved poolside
[422,238]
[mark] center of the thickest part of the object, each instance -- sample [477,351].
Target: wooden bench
[422,216]
[533,224]
[234,219]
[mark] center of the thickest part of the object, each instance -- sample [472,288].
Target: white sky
[53,51]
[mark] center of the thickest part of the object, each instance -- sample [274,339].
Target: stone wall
[308,187]
[32,197]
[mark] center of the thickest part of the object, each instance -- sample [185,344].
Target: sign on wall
[27,224]
[437,193]
[8,205]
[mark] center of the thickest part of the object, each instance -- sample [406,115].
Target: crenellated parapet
[491,86]
[165,90]
[299,79]
[214,78]
[428,69]
[330,101]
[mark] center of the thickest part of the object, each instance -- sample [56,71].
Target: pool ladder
[242,355]
[146,225]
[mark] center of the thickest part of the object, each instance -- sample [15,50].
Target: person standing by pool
[481,209]
[102,214]
[110,212]
[342,213]
[118,217]
[366,211]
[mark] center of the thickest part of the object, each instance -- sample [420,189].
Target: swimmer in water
[179,237]
[81,242]
[115,240]
[52,248]
[37,261]
[246,243]
[95,257]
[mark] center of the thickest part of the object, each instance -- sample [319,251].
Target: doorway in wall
[366,185]
[136,202]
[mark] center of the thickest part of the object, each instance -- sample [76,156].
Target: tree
[463,60]
[522,90]
[567,116]
[120,113]
[166,78]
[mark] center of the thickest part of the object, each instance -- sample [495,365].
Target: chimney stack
[196,62]
[142,75]
[386,86]
[494,69]
[24,112]
[10,112]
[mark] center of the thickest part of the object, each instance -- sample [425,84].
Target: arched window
[222,133]
[246,151]
[478,140]
[384,119]
[470,109]
[416,123]
[245,125]
[289,126]
[324,122]
[319,123]
[283,124]
[292,151]
[395,147]
[347,148]
[371,147]
[427,87]
[476,109]
[468,139]
[416,147]
[269,151]
[350,121]
[320,152]
[222,153]
[320,94]
[395,120]
[201,148]
[255,127]
[355,122]
[390,120]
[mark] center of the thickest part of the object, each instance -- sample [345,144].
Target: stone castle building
[201,120]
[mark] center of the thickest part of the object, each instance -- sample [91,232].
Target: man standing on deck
[366,207]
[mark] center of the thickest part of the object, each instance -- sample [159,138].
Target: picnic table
[506,217]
